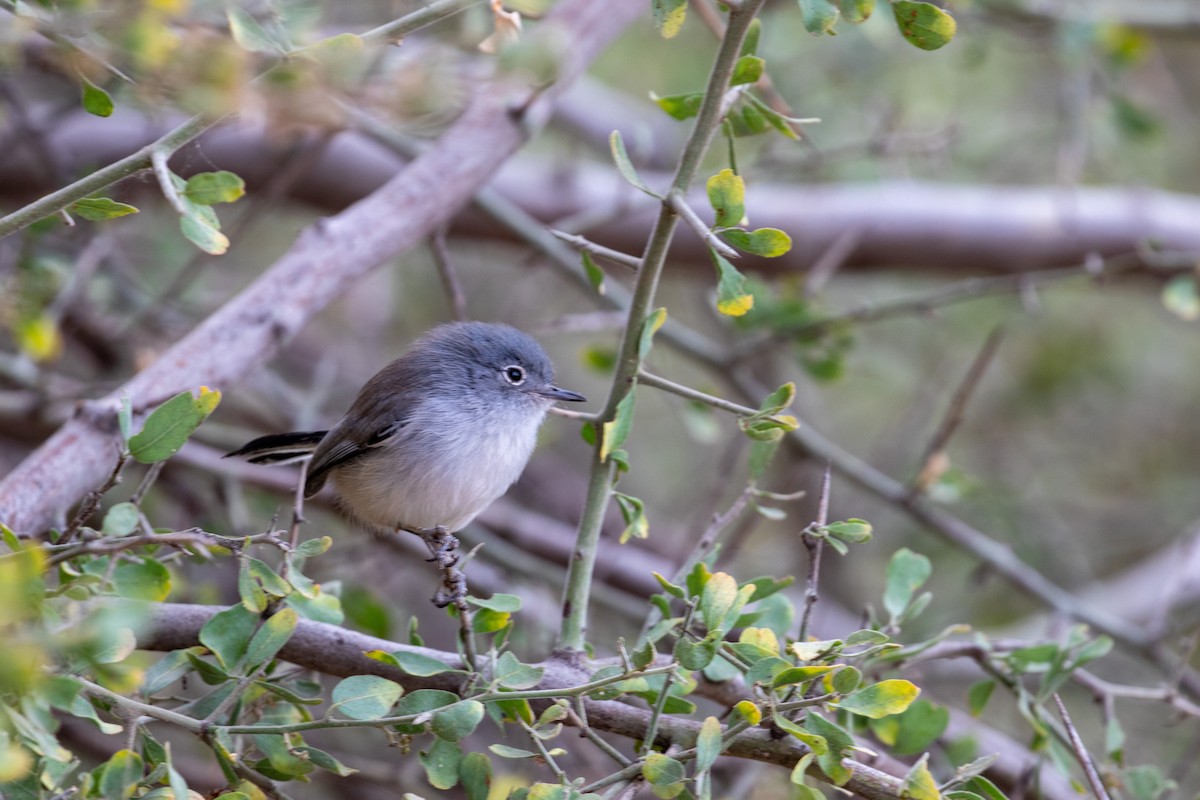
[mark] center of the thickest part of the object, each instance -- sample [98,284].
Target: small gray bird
[436,435]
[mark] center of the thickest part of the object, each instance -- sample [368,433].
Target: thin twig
[1081,753]
[91,500]
[166,183]
[680,204]
[587,245]
[815,546]
[955,413]
[448,274]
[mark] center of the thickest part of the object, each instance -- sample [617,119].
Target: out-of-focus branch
[323,262]
[964,229]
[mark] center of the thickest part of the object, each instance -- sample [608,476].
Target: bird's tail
[280,448]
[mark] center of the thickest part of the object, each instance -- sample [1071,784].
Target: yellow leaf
[39,338]
[736,306]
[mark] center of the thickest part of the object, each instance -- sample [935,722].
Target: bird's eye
[514,375]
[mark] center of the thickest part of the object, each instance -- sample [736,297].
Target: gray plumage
[437,434]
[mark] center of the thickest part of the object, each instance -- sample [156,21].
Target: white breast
[433,475]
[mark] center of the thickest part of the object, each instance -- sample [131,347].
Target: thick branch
[336,651]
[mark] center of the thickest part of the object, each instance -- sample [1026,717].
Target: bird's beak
[555,393]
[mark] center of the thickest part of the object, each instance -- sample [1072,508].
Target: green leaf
[100,208]
[881,699]
[504,751]
[765,242]
[633,510]
[204,232]
[475,774]
[504,603]
[856,10]
[250,35]
[441,763]
[271,636]
[717,599]
[314,547]
[148,580]
[366,696]
[753,34]
[906,572]
[270,581]
[325,761]
[616,431]
[420,701]
[837,741]
[121,520]
[458,721]
[661,770]
[1147,782]
[814,741]
[978,696]
[776,120]
[489,621]
[669,16]
[1182,298]
[852,531]
[794,675]
[228,633]
[818,17]
[121,775]
[594,274]
[919,783]
[727,195]
[708,743]
[166,670]
[207,188]
[846,680]
[282,763]
[624,165]
[680,106]
[654,320]
[748,69]
[924,25]
[321,607]
[419,664]
[733,299]
[698,654]
[96,101]
[512,674]
[171,424]
[914,730]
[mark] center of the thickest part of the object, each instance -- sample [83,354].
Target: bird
[436,435]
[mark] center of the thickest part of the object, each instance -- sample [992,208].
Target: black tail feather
[278,448]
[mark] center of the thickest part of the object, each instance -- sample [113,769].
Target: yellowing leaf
[760,637]
[732,298]
[39,338]
[880,699]
[669,16]
[919,783]
[924,25]
[749,712]
[616,430]
[727,194]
